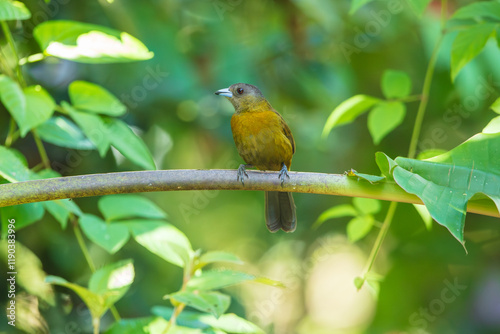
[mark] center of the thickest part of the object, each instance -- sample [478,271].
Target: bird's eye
[240,91]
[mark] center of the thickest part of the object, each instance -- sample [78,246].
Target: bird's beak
[224,92]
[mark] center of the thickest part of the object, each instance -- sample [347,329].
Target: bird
[264,141]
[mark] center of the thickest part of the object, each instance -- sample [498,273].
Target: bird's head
[244,97]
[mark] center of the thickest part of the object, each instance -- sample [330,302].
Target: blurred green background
[306,57]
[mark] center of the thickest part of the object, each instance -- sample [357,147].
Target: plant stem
[380,239]
[10,136]
[83,247]
[10,41]
[425,99]
[41,149]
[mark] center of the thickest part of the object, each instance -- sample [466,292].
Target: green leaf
[112,281]
[430,153]
[39,107]
[384,118]
[111,236]
[344,210]
[425,215]
[13,99]
[62,132]
[229,323]
[116,207]
[13,10]
[370,178]
[12,166]
[94,98]
[468,44]
[25,214]
[218,256]
[446,183]
[385,164]
[217,279]
[215,303]
[359,227]
[395,84]
[128,144]
[493,126]
[95,303]
[88,43]
[347,111]
[92,126]
[482,9]
[148,325]
[366,205]
[357,4]
[162,239]
[496,106]
[419,6]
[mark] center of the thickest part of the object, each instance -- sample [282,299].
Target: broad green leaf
[62,132]
[148,325]
[110,236]
[115,207]
[94,98]
[24,214]
[229,323]
[395,84]
[162,239]
[94,302]
[425,215]
[419,6]
[427,154]
[385,164]
[344,210]
[112,281]
[496,106]
[39,107]
[129,144]
[366,205]
[12,97]
[370,178]
[215,303]
[217,279]
[218,256]
[446,183]
[385,117]
[359,227]
[357,4]
[88,43]
[13,10]
[493,126]
[483,9]
[348,110]
[92,126]
[12,166]
[468,44]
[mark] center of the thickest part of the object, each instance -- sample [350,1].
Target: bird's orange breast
[260,139]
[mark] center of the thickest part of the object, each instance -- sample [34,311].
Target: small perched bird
[264,141]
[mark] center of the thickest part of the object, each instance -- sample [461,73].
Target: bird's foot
[283,173]
[242,172]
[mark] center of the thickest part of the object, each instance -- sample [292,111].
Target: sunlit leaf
[94,98]
[496,106]
[359,227]
[13,165]
[13,99]
[348,110]
[13,10]
[395,84]
[112,281]
[129,144]
[479,9]
[419,6]
[425,215]
[357,4]
[110,236]
[162,239]
[217,279]
[218,256]
[385,117]
[62,132]
[25,214]
[148,325]
[215,303]
[117,207]
[344,210]
[385,164]
[493,126]
[368,177]
[366,205]
[468,44]
[88,43]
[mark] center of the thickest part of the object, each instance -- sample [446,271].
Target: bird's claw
[242,172]
[283,173]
